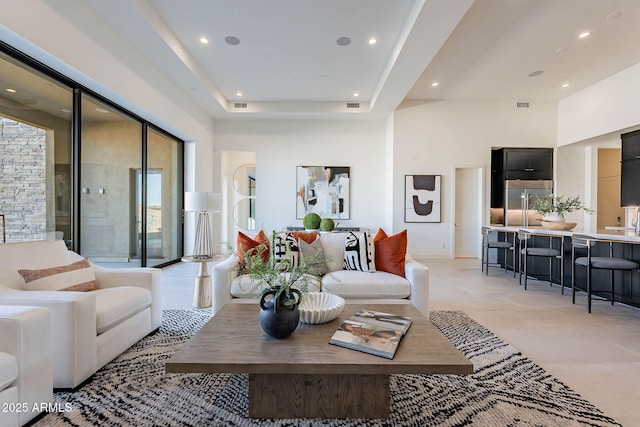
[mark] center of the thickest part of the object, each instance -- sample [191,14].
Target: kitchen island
[623,242]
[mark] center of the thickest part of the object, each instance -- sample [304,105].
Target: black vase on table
[279,314]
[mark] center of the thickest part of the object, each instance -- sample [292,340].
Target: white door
[468,208]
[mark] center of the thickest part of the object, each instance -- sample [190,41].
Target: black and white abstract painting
[422,198]
[323,190]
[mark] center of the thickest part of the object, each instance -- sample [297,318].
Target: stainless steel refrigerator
[518,210]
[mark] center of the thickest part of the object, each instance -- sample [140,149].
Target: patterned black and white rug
[507,389]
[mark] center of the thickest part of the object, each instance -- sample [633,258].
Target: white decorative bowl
[320,307]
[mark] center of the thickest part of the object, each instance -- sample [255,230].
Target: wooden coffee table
[303,376]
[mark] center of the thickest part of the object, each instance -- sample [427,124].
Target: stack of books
[372,332]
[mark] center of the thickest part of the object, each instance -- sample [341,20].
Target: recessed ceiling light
[11,90]
[238,93]
[435,84]
[561,50]
[102,110]
[204,40]
[614,15]
[565,85]
[356,94]
[372,40]
[535,73]
[343,41]
[232,40]
[584,34]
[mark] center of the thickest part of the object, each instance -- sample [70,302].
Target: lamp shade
[201,201]
[195,201]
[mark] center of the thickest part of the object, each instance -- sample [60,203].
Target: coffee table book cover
[372,332]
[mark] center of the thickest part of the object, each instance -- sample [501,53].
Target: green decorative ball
[311,221]
[327,224]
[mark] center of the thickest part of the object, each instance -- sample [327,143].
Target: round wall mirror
[244,179]
[244,214]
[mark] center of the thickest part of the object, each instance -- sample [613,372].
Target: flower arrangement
[561,205]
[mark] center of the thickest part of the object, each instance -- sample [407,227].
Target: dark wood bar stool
[505,245]
[611,263]
[528,248]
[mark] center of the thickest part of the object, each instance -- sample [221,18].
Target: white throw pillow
[77,276]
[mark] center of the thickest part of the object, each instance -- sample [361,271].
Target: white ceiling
[288,63]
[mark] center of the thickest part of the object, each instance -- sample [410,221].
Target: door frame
[479,209]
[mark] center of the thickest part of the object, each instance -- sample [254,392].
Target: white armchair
[26,383]
[88,329]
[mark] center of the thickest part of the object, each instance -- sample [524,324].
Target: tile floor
[597,354]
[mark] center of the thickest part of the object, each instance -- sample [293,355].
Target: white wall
[432,138]
[590,119]
[611,105]
[281,145]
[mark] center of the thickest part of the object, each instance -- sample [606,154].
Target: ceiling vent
[353,105]
[239,105]
[522,104]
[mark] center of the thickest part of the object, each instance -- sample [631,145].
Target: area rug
[507,389]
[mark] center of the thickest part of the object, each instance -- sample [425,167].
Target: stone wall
[23,180]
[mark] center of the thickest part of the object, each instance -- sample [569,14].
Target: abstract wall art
[323,190]
[422,198]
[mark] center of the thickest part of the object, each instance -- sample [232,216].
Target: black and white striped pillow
[359,252]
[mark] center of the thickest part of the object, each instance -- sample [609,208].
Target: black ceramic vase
[279,316]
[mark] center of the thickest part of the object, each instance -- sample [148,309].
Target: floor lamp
[202,203]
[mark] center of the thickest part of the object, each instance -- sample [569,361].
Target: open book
[372,332]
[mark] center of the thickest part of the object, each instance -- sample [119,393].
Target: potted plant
[282,286]
[554,208]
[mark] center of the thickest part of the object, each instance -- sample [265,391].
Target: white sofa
[88,329]
[353,286]
[26,382]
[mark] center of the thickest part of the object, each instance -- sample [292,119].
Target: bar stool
[528,237]
[611,263]
[497,244]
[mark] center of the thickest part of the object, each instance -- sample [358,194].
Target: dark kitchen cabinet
[518,163]
[528,163]
[630,169]
[631,145]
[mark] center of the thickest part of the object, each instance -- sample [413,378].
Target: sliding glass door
[164,201]
[110,146]
[35,154]
[76,167]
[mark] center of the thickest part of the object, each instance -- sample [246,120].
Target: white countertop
[618,234]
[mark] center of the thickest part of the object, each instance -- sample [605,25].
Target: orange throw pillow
[307,237]
[247,245]
[390,252]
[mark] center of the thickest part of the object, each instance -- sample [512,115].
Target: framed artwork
[422,198]
[323,190]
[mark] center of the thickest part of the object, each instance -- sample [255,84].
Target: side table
[202,289]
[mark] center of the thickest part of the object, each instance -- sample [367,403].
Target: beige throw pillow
[77,276]
[315,251]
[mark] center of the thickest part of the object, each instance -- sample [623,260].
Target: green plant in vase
[280,284]
[554,208]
